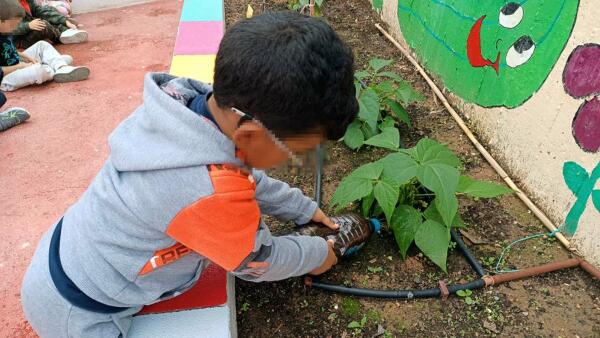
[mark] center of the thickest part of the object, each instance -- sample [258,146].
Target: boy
[46,23]
[37,64]
[181,187]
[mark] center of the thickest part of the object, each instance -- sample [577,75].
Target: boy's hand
[320,217]
[330,261]
[37,25]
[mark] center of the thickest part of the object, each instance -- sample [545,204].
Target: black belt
[65,285]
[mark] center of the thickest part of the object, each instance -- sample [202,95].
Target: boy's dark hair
[11,9]
[291,71]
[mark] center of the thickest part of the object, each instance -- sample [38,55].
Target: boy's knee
[42,44]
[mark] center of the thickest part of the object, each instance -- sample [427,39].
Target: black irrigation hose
[319,175]
[462,247]
[397,294]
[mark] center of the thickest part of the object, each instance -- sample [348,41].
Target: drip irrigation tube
[396,294]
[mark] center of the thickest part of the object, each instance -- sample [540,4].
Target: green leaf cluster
[415,190]
[297,5]
[382,98]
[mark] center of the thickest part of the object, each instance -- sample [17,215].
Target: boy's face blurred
[261,151]
[8,26]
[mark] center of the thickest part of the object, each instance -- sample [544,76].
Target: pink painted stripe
[198,37]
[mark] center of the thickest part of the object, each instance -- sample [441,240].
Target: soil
[560,304]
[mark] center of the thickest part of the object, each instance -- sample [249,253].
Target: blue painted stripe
[202,10]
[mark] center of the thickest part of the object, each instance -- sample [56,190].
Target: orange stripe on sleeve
[221,227]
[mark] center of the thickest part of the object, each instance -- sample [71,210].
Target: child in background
[9,16]
[37,64]
[45,23]
[182,187]
[62,6]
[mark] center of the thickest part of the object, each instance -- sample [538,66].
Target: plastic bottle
[353,233]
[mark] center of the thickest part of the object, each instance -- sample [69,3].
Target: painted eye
[511,15]
[520,52]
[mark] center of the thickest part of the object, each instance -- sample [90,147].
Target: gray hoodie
[122,241]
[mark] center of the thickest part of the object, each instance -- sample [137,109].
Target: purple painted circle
[581,76]
[586,126]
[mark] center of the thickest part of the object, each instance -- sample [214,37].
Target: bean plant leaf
[407,94]
[388,138]
[405,223]
[443,180]
[377,64]
[357,185]
[354,137]
[391,75]
[387,122]
[370,171]
[368,103]
[399,167]
[432,213]
[433,240]
[349,190]
[385,88]
[429,151]
[399,111]
[386,193]
[358,88]
[481,189]
[596,199]
[575,176]
[366,205]
[361,74]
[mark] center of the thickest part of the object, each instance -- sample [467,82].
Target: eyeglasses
[244,117]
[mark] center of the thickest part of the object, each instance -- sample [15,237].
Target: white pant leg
[35,74]
[46,54]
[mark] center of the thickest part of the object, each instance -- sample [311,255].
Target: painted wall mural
[581,79]
[491,53]
[582,185]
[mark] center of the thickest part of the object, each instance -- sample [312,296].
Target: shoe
[68,59]
[71,74]
[12,117]
[73,36]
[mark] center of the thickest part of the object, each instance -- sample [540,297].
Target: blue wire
[503,253]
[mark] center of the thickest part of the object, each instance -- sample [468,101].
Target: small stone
[490,326]
[417,280]
[525,313]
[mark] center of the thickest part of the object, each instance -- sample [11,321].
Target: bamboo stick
[536,211]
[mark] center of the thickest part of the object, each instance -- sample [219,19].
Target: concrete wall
[527,77]
[83,6]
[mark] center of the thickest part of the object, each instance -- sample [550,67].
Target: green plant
[245,307]
[351,307]
[301,5]
[416,191]
[382,98]
[358,326]
[466,295]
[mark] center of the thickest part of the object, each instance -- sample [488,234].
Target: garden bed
[565,303]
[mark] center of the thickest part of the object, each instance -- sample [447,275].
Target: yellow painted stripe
[198,67]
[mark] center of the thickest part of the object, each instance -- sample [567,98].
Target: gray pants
[51,316]
[50,61]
